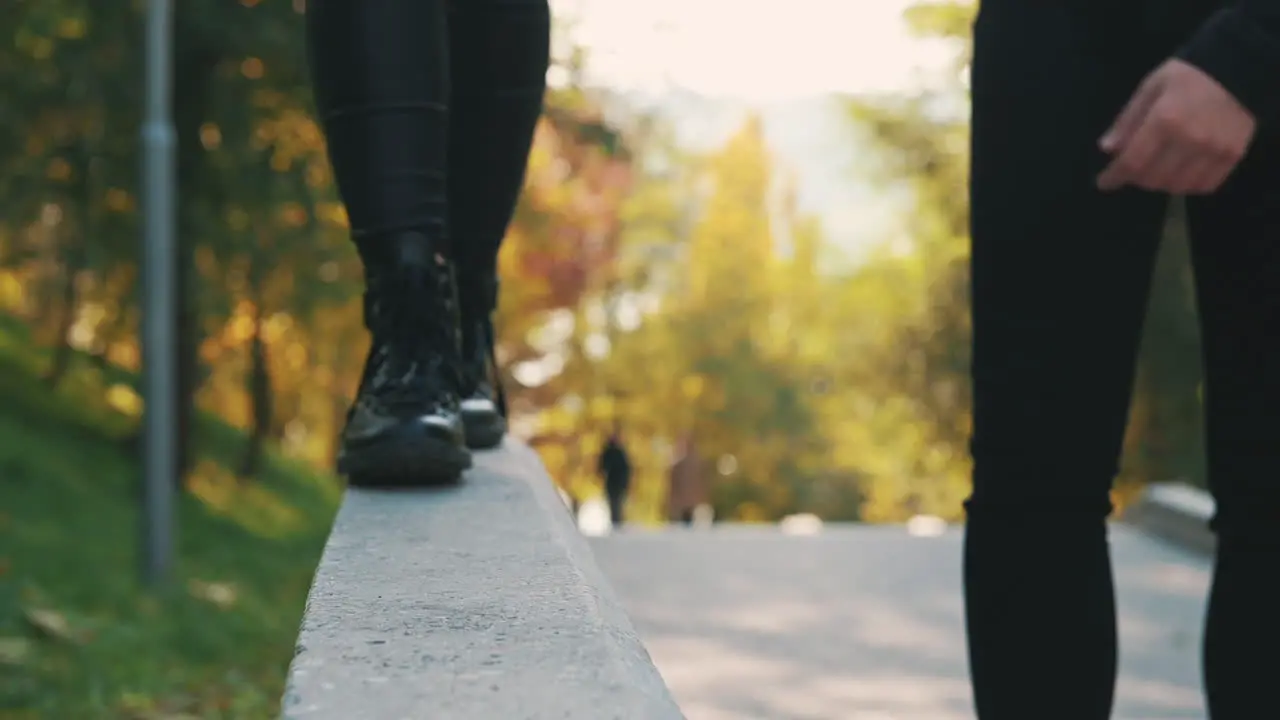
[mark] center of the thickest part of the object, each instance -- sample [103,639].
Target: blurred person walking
[687,489]
[614,466]
[429,109]
[1086,116]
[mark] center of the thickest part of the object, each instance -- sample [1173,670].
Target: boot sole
[484,430]
[399,461]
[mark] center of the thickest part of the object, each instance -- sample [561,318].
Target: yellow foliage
[750,512]
[123,399]
[251,505]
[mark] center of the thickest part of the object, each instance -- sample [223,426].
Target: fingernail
[1107,142]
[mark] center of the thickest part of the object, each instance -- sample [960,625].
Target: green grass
[79,637]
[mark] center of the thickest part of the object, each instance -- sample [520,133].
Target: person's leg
[1235,244]
[618,505]
[500,50]
[1060,273]
[380,70]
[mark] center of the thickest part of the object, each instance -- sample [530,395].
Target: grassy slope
[78,637]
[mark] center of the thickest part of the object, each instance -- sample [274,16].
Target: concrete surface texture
[480,602]
[865,623]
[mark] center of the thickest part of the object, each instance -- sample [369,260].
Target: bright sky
[750,49]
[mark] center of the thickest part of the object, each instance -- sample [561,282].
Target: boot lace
[414,363]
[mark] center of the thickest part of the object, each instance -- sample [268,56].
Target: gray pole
[160,297]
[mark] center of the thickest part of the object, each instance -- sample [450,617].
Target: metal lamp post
[160,297]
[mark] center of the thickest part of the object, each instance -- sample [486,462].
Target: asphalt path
[864,623]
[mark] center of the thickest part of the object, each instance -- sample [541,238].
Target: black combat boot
[484,406]
[405,427]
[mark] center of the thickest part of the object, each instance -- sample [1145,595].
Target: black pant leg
[1060,275]
[499,55]
[617,503]
[380,69]
[1236,248]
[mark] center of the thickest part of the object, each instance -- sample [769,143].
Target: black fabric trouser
[1060,275]
[429,109]
[617,497]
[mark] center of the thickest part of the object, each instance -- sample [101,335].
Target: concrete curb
[1176,512]
[481,602]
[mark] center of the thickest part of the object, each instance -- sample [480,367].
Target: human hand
[1181,133]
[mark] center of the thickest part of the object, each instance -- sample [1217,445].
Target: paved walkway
[865,623]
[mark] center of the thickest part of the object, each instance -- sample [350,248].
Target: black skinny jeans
[429,109]
[616,494]
[1060,275]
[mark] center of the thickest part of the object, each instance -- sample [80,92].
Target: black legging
[1060,275]
[429,108]
[617,497]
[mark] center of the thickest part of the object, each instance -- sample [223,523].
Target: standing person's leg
[500,51]
[380,69]
[1060,274]
[1236,245]
[615,506]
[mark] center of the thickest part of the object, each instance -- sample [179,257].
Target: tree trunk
[259,380]
[194,74]
[338,419]
[260,395]
[69,307]
[74,260]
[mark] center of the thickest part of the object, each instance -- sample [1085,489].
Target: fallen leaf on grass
[221,594]
[53,625]
[14,651]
